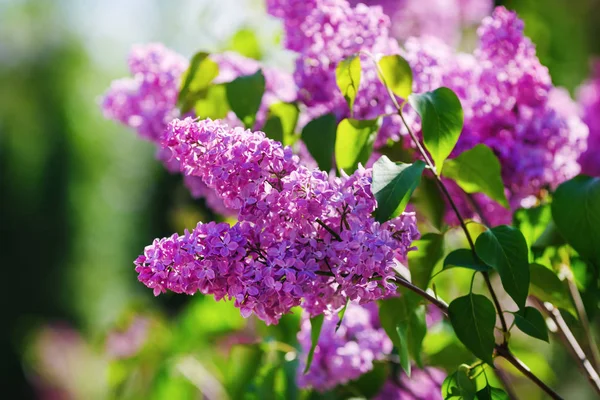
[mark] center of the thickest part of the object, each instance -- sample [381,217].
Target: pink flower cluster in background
[589,99]
[350,352]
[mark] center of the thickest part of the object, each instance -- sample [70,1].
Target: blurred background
[81,196]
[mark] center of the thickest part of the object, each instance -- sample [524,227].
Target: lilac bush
[334,245]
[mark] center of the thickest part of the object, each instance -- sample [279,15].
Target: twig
[585,322]
[328,229]
[502,349]
[504,352]
[569,339]
[503,377]
[461,220]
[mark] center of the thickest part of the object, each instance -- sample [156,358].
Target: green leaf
[196,80]
[492,393]
[417,329]
[467,386]
[442,121]
[242,368]
[213,103]
[281,123]
[504,248]
[473,318]
[341,315]
[347,77]
[319,137]
[532,222]
[392,186]
[403,319]
[546,286]
[429,204]
[430,250]
[576,212]
[354,143]
[450,389]
[403,352]
[458,385]
[464,258]
[530,321]
[246,43]
[397,75]
[244,95]
[478,171]
[316,323]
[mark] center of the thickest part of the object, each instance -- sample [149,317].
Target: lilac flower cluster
[345,355]
[300,239]
[443,19]
[323,33]
[147,101]
[507,95]
[589,100]
[510,105]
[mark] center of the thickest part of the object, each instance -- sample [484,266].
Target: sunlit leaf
[393,184]
[477,171]
[347,77]
[421,262]
[246,43]
[492,393]
[316,323]
[281,123]
[441,120]
[213,104]
[354,143]
[397,75]
[196,80]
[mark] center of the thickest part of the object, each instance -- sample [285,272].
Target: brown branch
[328,229]
[504,352]
[569,340]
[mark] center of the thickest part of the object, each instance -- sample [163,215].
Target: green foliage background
[80,196]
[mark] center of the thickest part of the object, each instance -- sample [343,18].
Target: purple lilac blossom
[301,239]
[507,95]
[344,355]
[443,19]
[589,99]
[323,33]
[147,101]
[510,105]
